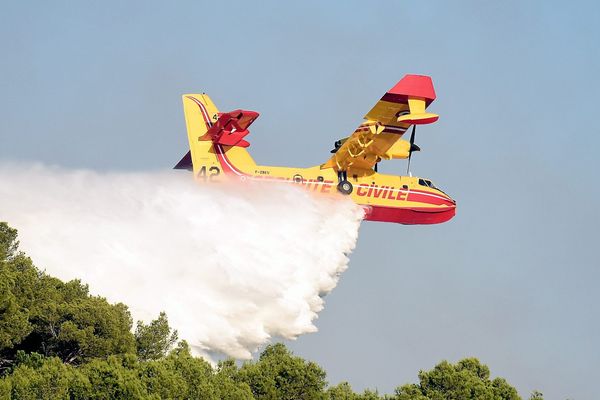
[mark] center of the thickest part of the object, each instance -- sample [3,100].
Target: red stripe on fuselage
[424,198]
[428,197]
[391,193]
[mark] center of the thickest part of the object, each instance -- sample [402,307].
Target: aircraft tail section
[215,139]
[198,109]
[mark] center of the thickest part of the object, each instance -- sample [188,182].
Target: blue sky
[511,280]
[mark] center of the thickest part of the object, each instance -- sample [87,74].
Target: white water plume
[231,266]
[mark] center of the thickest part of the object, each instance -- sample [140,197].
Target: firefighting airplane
[218,148]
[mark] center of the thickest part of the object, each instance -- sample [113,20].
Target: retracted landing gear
[344,186]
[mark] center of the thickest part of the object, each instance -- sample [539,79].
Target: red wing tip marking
[413,86]
[422,121]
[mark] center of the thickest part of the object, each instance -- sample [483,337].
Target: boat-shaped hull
[410,216]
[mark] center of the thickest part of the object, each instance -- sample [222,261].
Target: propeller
[413,147]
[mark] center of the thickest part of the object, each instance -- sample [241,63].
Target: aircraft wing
[378,137]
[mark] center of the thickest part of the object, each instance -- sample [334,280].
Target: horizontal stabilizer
[230,128]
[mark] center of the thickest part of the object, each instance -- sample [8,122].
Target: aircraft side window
[422,182]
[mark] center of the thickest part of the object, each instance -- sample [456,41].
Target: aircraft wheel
[344,187]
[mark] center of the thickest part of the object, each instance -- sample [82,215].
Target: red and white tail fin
[215,138]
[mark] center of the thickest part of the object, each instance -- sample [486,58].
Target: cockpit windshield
[426,182]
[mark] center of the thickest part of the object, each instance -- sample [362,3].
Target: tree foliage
[278,374]
[39,313]
[467,379]
[177,376]
[154,340]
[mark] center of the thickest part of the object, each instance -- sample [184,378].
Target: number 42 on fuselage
[218,147]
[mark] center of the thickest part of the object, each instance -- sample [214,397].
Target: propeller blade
[413,147]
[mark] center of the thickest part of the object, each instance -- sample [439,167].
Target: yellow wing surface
[378,138]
